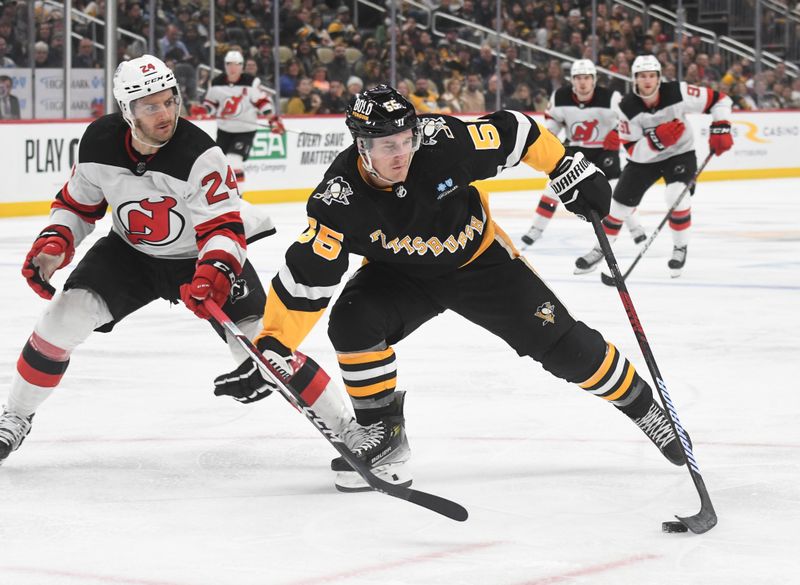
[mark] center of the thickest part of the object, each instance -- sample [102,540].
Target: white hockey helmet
[234,57]
[644,63]
[138,78]
[583,67]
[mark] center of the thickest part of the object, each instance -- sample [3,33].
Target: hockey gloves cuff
[247,383]
[719,137]
[51,250]
[276,124]
[212,280]
[665,135]
[581,186]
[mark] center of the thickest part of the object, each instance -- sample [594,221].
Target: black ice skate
[531,235]
[656,426]
[383,446]
[588,262]
[13,430]
[677,261]
[638,234]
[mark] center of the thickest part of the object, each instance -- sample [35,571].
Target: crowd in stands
[325,58]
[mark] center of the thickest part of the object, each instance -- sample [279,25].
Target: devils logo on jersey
[232,107]
[151,222]
[585,131]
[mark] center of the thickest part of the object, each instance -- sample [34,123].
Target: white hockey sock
[237,165]
[680,220]
[66,322]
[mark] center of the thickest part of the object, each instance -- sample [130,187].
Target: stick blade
[607,279]
[432,502]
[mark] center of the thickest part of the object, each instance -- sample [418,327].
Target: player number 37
[327,242]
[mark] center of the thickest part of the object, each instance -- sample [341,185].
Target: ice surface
[135,474]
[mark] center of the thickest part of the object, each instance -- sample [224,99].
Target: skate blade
[675,272]
[585,270]
[350,481]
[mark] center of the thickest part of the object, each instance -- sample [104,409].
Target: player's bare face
[233,71]
[647,83]
[584,86]
[391,155]
[156,116]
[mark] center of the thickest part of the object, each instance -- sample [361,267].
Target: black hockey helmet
[380,111]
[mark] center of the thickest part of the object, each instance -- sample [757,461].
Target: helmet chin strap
[132,124]
[365,158]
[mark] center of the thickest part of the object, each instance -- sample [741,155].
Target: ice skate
[531,236]
[677,261]
[13,430]
[383,446]
[655,425]
[588,262]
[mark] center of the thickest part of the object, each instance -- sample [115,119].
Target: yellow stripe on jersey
[602,370]
[544,154]
[364,357]
[372,389]
[287,326]
[488,230]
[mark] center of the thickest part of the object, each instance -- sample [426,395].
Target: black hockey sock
[640,405]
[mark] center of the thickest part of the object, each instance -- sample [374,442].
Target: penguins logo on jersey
[337,190]
[585,131]
[151,222]
[431,127]
[547,313]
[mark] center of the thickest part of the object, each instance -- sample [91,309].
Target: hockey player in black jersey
[402,197]
[654,131]
[177,233]
[587,114]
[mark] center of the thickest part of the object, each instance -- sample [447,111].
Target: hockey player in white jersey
[237,99]
[177,234]
[654,130]
[587,114]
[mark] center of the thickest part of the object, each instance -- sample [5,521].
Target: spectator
[341,27]
[521,100]
[9,104]
[290,78]
[171,40]
[319,79]
[339,68]
[490,95]
[450,100]
[42,57]
[486,63]
[5,61]
[423,98]
[251,67]
[354,85]
[195,44]
[472,98]
[84,57]
[306,56]
[300,104]
[335,101]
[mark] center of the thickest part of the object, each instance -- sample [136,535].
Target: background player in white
[659,144]
[237,99]
[177,233]
[588,116]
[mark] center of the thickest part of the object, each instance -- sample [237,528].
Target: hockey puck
[673,527]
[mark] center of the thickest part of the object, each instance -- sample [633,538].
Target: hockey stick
[432,502]
[609,280]
[706,518]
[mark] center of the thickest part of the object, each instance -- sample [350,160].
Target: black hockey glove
[247,383]
[581,186]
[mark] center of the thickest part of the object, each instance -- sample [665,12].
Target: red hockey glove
[198,111]
[665,135]
[51,250]
[612,141]
[719,137]
[212,280]
[276,124]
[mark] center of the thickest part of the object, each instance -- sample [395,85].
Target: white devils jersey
[586,123]
[637,122]
[181,202]
[237,105]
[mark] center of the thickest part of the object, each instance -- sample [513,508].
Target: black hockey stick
[609,280]
[706,518]
[292,395]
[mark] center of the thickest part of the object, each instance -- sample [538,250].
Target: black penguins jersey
[180,202]
[431,224]
[237,104]
[637,122]
[586,124]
